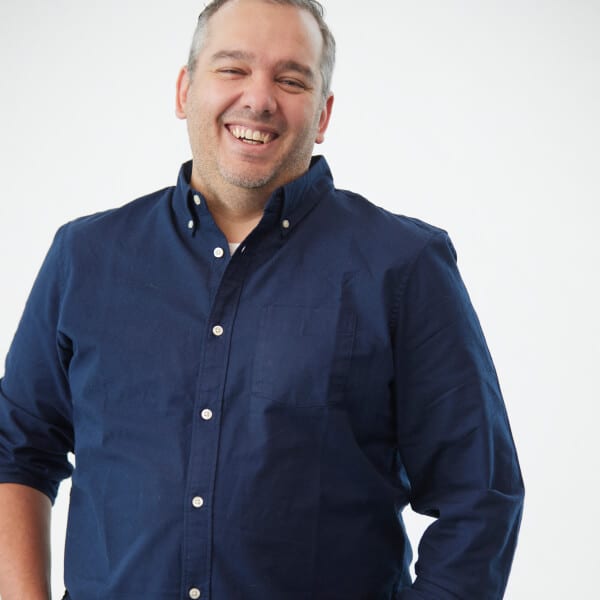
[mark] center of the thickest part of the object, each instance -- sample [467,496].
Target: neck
[235,225]
[236,211]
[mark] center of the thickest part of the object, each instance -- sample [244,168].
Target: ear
[324,119]
[183,86]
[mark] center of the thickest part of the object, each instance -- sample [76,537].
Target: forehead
[264,29]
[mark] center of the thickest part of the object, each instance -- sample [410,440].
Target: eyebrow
[283,65]
[235,54]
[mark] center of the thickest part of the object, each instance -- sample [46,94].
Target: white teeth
[242,133]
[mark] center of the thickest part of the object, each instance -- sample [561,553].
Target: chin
[247,178]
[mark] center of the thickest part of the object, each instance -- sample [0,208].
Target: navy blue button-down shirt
[251,426]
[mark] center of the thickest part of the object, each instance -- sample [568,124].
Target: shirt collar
[287,206]
[292,202]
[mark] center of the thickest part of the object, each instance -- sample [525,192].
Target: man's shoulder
[376,222]
[127,218]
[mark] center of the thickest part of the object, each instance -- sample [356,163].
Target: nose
[259,94]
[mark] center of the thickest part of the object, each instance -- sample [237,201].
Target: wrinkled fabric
[252,426]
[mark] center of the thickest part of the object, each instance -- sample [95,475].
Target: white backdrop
[480,116]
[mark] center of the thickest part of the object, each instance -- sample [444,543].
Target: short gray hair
[314,7]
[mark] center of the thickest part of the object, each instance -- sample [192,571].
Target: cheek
[300,117]
[209,100]
[220,98]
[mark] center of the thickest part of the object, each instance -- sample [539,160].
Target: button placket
[208,413]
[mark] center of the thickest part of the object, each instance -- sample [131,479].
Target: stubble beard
[288,167]
[245,181]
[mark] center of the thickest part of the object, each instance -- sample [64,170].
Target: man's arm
[24,543]
[454,437]
[36,435]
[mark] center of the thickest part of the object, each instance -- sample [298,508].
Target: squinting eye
[292,83]
[230,71]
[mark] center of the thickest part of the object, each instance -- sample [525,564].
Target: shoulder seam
[411,268]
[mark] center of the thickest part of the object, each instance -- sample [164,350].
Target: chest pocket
[302,357]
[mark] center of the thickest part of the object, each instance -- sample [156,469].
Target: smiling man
[255,103]
[256,371]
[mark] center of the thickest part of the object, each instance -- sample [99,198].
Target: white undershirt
[233,247]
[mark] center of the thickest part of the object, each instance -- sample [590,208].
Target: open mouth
[251,136]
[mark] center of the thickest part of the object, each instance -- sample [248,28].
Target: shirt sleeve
[454,436]
[36,432]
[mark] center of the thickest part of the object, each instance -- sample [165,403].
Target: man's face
[254,104]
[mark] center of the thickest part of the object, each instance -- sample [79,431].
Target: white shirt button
[219,252]
[217,330]
[190,224]
[197,200]
[285,224]
[197,502]
[194,593]
[207,414]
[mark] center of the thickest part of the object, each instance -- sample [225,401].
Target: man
[257,372]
